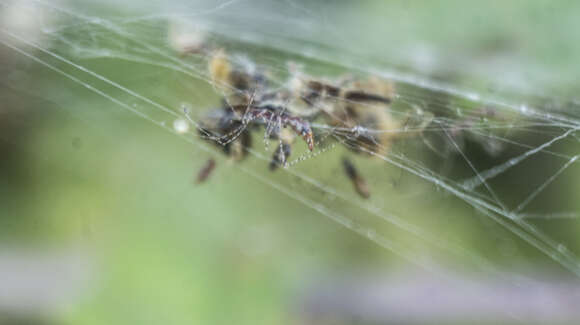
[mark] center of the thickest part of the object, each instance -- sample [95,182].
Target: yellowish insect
[355,112]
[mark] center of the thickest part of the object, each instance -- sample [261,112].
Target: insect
[355,113]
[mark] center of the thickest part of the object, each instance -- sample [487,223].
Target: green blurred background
[81,172]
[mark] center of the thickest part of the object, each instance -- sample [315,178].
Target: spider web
[498,160]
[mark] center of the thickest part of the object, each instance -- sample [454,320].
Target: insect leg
[281,155]
[205,171]
[359,183]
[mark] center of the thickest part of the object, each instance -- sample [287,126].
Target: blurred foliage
[77,170]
